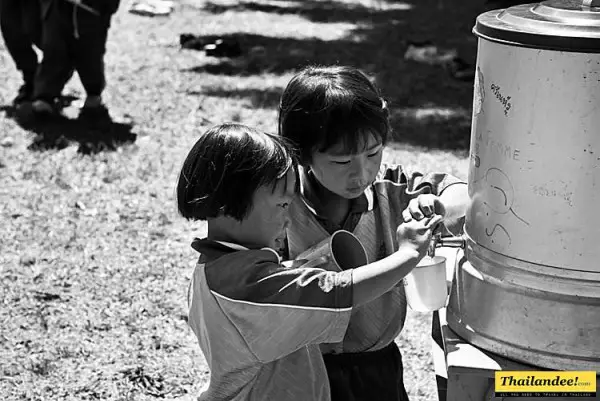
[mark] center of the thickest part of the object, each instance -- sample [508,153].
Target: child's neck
[327,204]
[223,229]
[216,232]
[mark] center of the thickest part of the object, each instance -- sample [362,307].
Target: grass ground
[95,262]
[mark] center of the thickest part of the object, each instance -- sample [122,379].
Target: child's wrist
[410,252]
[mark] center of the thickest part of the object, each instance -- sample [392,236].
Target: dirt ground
[95,262]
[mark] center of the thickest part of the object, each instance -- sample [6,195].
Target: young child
[74,35]
[339,123]
[257,320]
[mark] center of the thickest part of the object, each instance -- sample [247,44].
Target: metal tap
[451,242]
[590,3]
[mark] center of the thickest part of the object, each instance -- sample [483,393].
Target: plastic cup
[425,286]
[343,249]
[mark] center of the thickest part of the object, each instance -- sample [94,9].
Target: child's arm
[278,310]
[451,204]
[424,194]
[375,279]
[455,199]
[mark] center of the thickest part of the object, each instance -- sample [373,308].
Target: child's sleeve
[278,310]
[418,183]
[394,188]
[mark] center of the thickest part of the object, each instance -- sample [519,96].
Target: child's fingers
[426,205]
[415,210]
[434,220]
[406,215]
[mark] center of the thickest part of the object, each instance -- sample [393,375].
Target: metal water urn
[528,286]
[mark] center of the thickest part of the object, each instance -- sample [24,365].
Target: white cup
[342,248]
[425,286]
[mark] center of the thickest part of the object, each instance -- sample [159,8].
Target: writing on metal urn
[528,286]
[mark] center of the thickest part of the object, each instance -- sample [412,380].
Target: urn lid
[564,25]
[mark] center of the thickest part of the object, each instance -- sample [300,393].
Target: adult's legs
[89,51]
[20,24]
[56,67]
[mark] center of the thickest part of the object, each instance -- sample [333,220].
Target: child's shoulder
[230,272]
[212,251]
[236,263]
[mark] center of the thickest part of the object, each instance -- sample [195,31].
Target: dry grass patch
[95,262]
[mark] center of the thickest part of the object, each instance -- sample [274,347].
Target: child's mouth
[355,190]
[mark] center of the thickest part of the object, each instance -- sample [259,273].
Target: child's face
[347,175]
[268,219]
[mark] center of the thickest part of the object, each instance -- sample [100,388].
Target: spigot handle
[452,242]
[590,3]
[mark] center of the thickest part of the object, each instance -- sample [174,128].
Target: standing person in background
[74,35]
[20,23]
[339,123]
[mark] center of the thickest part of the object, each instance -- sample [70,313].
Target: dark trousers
[367,376]
[73,39]
[20,23]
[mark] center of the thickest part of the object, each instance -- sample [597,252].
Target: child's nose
[358,169]
[360,173]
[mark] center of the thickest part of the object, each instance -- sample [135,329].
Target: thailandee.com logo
[545,384]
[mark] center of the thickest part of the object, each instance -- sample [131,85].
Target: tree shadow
[316,10]
[265,99]
[433,127]
[266,54]
[60,131]
[377,45]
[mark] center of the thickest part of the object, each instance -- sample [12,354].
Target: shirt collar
[231,245]
[213,248]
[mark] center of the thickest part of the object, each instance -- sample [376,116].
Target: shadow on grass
[265,99]
[267,54]
[318,10]
[59,132]
[433,127]
[377,46]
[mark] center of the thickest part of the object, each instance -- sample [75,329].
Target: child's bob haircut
[324,106]
[225,168]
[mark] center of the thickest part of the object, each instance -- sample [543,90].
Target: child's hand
[422,206]
[416,234]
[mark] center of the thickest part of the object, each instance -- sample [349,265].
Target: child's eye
[375,153]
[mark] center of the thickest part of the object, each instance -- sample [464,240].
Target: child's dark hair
[225,167]
[323,106]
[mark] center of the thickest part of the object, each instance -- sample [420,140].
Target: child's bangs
[352,136]
[352,121]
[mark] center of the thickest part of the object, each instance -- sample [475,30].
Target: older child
[258,321]
[339,124]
